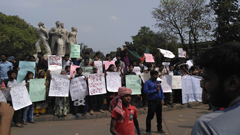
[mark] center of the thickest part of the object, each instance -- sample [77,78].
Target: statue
[43,37]
[65,39]
[56,37]
[72,38]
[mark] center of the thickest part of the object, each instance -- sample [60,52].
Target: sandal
[19,125]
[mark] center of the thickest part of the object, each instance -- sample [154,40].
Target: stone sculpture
[64,38]
[72,38]
[56,38]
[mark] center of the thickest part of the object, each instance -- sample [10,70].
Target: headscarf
[117,102]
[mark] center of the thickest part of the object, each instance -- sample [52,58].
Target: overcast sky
[102,24]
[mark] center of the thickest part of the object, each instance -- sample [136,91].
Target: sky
[102,24]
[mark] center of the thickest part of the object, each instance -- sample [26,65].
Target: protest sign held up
[149,57]
[37,90]
[98,64]
[108,63]
[133,83]
[78,88]
[166,83]
[75,51]
[96,84]
[113,81]
[72,69]
[59,86]
[24,68]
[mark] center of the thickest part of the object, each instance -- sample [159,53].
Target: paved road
[179,122]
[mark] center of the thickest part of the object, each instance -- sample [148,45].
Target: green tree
[17,37]
[228,20]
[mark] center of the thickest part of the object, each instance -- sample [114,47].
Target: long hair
[27,75]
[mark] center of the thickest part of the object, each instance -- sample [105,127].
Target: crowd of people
[9,67]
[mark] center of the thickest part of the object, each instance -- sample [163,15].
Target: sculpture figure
[64,38]
[72,38]
[56,38]
[43,37]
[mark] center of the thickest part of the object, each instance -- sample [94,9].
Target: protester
[6,112]
[155,101]
[14,62]
[110,95]
[5,66]
[28,111]
[223,88]
[67,69]
[125,58]
[42,63]
[66,61]
[124,116]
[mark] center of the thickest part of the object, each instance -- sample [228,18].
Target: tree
[17,37]
[189,19]
[228,20]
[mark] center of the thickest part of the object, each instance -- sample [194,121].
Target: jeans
[154,106]
[27,110]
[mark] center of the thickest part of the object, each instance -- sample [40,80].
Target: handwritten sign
[96,84]
[72,69]
[59,86]
[176,82]
[149,57]
[54,60]
[55,69]
[4,94]
[87,70]
[24,68]
[166,53]
[191,90]
[133,83]
[98,64]
[180,53]
[20,97]
[108,63]
[37,90]
[145,76]
[137,70]
[113,81]
[75,51]
[166,83]
[78,88]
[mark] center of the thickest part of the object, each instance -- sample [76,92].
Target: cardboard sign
[180,53]
[72,69]
[24,68]
[113,81]
[167,84]
[133,83]
[78,88]
[166,53]
[59,86]
[176,82]
[108,63]
[137,70]
[148,57]
[75,51]
[37,90]
[99,65]
[96,84]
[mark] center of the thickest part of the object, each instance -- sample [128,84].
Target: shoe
[91,112]
[83,114]
[162,132]
[33,122]
[148,133]
[77,115]
[19,125]
[24,123]
[101,111]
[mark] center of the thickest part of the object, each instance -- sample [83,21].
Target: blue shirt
[150,88]
[4,68]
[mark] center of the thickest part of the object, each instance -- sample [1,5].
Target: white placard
[99,65]
[167,83]
[137,70]
[113,81]
[96,84]
[59,86]
[4,94]
[166,53]
[78,88]
[191,90]
[167,65]
[176,82]
[181,53]
[145,76]
[55,69]
[20,97]
[54,60]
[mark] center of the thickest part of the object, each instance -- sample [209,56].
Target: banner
[145,76]
[4,94]
[176,82]
[54,60]
[78,88]
[113,81]
[180,53]
[72,69]
[20,97]
[167,83]
[75,51]
[99,65]
[108,63]
[59,86]
[148,57]
[87,70]
[166,53]
[24,68]
[37,90]
[191,90]
[133,83]
[137,70]
[96,84]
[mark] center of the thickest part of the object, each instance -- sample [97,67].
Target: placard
[167,65]
[166,53]
[176,82]
[137,70]
[20,97]
[59,86]
[133,83]
[180,53]
[145,76]
[25,66]
[108,63]
[54,60]
[148,57]
[87,70]
[4,94]
[78,88]
[37,90]
[113,81]
[96,84]
[72,69]
[75,51]
[167,84]
[99,65]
